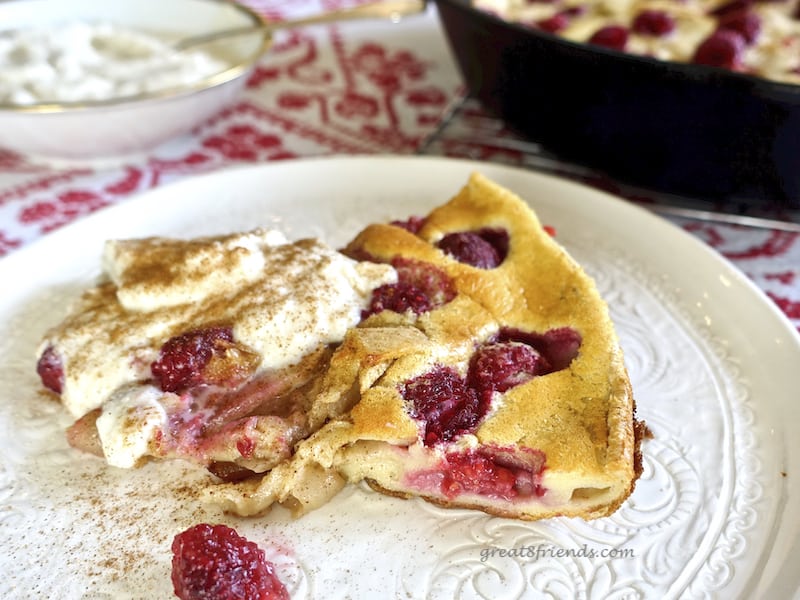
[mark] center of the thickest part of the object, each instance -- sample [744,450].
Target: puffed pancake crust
[489,377]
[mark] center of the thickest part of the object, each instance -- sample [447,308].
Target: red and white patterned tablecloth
[350,88]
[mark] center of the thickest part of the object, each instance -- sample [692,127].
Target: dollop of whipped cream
[283,300]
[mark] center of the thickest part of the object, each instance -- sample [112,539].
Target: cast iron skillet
[679,128]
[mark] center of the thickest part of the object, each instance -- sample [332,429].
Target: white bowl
[109,129]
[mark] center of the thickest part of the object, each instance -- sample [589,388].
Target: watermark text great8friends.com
[544,551]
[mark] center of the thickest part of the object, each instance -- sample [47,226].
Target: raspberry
[561,346]
[723,48]
[477,474]
[433,281]
[505,473]
[746,23]
[554,24]
[412,224]
[215,562]
[611,36]
[398,297]
[485,249]
[734,6]
[558,346]
[441,400]
[420,287]
[561,19]
[183,358]
[501,366]
[50,370]
[653,22]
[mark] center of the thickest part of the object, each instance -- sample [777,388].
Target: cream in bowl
[89,80]
[78,61]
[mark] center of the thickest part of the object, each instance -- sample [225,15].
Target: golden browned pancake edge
[582,417]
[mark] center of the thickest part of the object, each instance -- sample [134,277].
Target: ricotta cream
[78,62]
[129,421]
[283,300]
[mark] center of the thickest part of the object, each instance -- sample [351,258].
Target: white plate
[715,369]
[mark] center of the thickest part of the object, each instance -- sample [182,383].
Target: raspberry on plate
[215,562]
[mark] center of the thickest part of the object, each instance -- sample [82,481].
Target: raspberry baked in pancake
[487,376]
